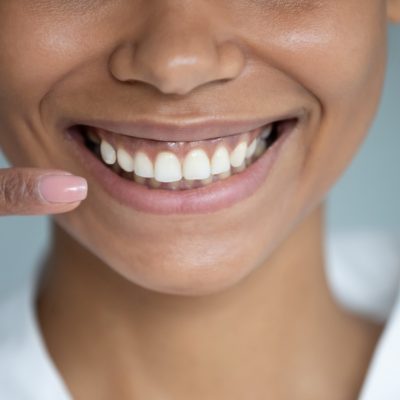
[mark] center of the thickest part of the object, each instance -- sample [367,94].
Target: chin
[194,272]
[175,267]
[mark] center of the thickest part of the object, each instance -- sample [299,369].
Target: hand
[30,191]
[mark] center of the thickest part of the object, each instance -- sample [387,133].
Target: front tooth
[167,167]
[108,153]
[239,154]
[266,132]
[125,160]
[220,161]
[196,165]
[251,149]
[143,166]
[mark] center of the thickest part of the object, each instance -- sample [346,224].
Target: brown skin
[230,305]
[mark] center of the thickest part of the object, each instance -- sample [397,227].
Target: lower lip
[214,197]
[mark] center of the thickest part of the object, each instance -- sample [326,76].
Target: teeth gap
[92,142]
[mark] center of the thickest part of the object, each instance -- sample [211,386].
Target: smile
[179,165]
[182,176]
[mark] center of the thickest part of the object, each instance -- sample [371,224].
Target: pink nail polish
[62,188]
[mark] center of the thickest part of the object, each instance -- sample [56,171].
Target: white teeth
[220,161]
[167,167]
[143,166]
[108,153]
[239,154]
[251,149]
[266,132]
[125,160]
[261,146]
[196,165]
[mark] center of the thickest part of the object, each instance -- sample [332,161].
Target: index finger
[30,191]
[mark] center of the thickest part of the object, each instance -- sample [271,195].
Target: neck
[278,331]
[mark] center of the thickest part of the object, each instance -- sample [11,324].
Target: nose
[176,53]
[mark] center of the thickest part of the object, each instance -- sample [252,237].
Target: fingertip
[63,189]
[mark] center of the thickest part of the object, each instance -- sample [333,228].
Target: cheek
[33,55]
[341,62]
[37,52]
[335,57]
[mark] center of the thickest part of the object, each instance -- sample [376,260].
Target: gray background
[367,196]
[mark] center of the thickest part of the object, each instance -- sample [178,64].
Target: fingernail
[62,188]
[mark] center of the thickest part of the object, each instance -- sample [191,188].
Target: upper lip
[187,130]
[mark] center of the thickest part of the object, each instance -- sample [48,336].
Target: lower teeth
[93,145]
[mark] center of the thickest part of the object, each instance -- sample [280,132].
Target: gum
[180,149]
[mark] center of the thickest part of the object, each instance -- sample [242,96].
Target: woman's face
[113,64]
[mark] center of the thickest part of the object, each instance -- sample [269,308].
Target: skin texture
[255,269]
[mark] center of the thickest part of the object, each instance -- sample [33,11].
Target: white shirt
[363,271]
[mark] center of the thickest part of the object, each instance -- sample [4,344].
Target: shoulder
[363,270]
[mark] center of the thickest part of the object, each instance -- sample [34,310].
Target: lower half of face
[180,202]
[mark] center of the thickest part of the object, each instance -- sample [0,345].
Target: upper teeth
[167,167]
[143,165]
[125,160]
[196,164]
[108,153]
[220,161]
[252,148]
[238,155]
[266,132]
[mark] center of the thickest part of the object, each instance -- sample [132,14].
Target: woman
[208,133]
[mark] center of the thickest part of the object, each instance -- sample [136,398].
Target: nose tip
[177,63]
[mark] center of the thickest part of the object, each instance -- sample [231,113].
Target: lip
[188,130]
[211,198]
